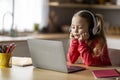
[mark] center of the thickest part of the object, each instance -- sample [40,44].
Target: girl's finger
[84,36]
[80,38]
[71,35]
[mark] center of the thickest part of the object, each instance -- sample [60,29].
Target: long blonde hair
[100,36]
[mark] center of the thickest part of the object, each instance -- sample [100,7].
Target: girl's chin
[76,34]
[76,37]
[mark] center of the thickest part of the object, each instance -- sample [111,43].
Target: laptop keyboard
[75,67]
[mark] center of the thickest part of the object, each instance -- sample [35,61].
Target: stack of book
[21,61]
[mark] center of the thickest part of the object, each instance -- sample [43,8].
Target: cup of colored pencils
[6,51]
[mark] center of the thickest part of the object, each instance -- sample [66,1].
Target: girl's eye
[73,27]
[79,27]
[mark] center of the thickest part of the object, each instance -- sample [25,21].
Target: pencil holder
[5,60]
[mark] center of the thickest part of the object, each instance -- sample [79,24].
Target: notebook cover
[105,73]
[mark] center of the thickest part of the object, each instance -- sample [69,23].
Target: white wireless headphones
[97,24]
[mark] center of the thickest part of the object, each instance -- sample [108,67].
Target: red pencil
[7,49]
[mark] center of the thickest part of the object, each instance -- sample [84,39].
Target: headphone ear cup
[91,31]
[97,27]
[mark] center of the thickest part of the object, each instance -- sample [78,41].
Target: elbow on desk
[88,64]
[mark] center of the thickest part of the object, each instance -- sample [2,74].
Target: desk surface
[31,73]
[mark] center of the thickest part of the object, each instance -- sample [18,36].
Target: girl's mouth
[76,34]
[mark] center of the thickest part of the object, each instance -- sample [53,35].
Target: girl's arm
[87,57]
[73,53]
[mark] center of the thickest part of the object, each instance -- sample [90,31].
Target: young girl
[87,40]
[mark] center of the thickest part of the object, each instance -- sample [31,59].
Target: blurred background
[54,16]
[51,19]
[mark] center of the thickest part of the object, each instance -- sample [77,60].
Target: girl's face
[79,25]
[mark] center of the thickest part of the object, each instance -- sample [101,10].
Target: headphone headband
[95,28]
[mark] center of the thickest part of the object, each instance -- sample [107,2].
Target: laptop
[48,54]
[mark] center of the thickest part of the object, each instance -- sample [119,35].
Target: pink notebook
[105,73]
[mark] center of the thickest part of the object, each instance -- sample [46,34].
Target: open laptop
[47,54]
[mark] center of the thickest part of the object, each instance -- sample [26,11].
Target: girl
[88,40]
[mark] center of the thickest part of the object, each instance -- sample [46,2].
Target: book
[21,61]
[108,73]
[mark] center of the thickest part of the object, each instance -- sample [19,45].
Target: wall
[110,15]
[21,49]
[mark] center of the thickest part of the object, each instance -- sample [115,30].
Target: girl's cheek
[81,31]
[72,31]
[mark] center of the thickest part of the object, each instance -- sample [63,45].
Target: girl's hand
[83,36]
[76,36]
[71,36]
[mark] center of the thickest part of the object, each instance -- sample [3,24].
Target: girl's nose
[76,30]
